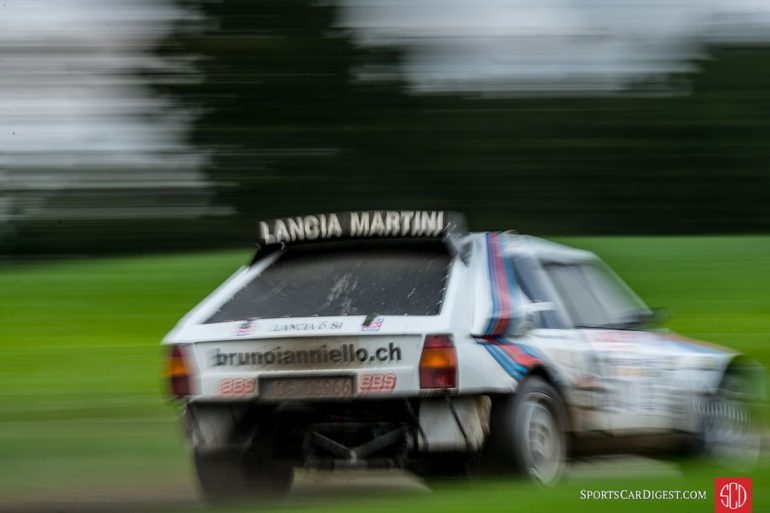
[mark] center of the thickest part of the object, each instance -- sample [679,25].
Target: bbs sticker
[373,383]
[237,387]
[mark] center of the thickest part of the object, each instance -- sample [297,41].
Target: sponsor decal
[233,387]
[516,359]
[306,326]
[343,353]
[732,495]
[502,286]
[696,346]
[246,328]
[613,339]
[373,383]
[375,325]
[375,223]
[628,370]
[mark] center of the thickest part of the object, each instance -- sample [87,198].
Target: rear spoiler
[449,227]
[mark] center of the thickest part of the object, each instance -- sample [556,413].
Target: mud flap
[452,424]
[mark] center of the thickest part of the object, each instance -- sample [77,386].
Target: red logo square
[732,495]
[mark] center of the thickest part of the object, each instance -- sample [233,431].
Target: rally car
[397,339]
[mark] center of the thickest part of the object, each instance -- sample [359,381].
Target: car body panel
[620,381]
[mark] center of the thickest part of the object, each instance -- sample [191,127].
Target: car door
[572,358]
[633,369]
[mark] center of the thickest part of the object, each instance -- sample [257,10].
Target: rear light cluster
[438,363]
[179,372]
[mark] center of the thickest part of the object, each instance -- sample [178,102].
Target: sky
[535,46]
[64,86]
[74,118]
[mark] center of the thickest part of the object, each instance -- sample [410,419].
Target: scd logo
[732,495]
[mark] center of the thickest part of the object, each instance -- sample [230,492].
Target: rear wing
[449,227]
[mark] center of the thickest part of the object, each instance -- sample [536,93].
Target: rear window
[394,278]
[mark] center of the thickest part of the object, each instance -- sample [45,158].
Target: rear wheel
[227,475]
[529,432]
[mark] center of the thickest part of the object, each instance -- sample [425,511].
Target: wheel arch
[554,378]
[750,368]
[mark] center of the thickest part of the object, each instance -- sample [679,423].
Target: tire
[228,475]
[529,435]
[731,427]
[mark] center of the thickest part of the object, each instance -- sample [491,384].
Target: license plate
[306,388]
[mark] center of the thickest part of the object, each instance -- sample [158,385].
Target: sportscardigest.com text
[643,495]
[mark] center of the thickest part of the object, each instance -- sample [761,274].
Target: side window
[583,305]
[530,280]
[618,300]
[594,296]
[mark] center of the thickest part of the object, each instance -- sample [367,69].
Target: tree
[289,125]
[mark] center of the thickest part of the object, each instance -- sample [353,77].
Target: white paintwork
[611,380]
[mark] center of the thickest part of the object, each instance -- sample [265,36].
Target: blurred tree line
[290,127]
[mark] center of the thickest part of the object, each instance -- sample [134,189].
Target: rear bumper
[383,433]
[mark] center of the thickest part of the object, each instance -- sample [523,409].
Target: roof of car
[544,249]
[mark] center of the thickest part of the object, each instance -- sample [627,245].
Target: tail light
[438,363]
[179,372]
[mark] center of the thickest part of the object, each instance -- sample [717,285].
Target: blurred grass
[81,396]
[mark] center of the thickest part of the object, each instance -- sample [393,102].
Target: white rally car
[396,339]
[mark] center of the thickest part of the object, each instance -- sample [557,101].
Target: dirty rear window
[345,279]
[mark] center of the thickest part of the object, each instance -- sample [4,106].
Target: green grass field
[81,404]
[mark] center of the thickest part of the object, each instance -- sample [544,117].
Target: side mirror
[539,306]
[660,316]
[531,316]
